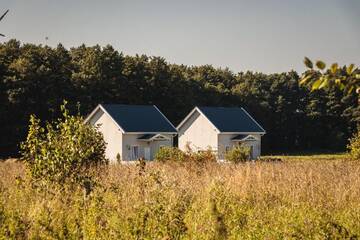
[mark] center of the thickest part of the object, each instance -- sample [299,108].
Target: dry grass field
[293,199]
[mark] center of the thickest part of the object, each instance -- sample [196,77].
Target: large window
[134,152]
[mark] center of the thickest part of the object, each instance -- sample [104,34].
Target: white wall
[225,140]
[111,132]
[199,133]
[132,140]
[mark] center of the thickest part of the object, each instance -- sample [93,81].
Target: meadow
[300,197]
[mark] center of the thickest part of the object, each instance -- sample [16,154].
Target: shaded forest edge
[35,79]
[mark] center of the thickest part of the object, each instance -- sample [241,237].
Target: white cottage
[132,131]
[220,129]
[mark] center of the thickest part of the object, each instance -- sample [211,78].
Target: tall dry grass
[292,200]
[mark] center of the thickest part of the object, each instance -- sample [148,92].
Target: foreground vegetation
[316,199]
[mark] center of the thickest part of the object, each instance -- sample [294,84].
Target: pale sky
[266,36]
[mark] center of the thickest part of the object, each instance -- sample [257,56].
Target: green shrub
[65,150]
[170,154]
[354,146]
[238,154]
[176,155]
[201,157]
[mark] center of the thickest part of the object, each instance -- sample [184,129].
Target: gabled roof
[137,118]
[228,119]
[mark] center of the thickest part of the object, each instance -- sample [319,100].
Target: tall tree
[35,79]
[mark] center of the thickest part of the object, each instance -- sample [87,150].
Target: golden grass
[311,157]
[290,199]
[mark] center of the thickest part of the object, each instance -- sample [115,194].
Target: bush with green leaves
[202,157]
[354,146]
[66,150]
[170,154]
[166,154]
[238,154]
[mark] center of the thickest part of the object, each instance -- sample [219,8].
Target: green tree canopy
[35,79]
[65,151]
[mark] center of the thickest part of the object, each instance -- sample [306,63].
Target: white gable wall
[197,132]
[111,132]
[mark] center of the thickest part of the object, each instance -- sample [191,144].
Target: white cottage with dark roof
[132,131]
[220,129]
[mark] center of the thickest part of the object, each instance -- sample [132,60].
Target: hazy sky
[266,36]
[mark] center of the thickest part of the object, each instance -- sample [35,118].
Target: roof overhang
[245,133]
[254,121]
[243,138]
[165,117]
[170,133]
[153,137]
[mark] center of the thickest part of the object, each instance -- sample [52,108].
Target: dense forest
[35,79]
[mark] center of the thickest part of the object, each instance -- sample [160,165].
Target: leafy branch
[346,78]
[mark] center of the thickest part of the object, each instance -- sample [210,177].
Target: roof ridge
[121,104]
[220,106]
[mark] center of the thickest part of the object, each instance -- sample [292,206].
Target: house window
[134,152]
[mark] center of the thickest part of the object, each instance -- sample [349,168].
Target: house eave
[155,138]
[261,133]
[254,120]
[150,133]
[165,117]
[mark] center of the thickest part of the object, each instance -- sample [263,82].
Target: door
[147,153]
[251,152]
[134,152]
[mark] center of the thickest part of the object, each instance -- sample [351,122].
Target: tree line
[35,79]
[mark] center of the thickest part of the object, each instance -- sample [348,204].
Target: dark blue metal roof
[231,119]
[139,118]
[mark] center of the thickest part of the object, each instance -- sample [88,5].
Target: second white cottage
[220,129]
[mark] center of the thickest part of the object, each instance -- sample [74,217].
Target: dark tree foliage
[35,79]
